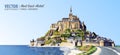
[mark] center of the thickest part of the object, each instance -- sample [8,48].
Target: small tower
[83,26]
[101,43]
[32,43]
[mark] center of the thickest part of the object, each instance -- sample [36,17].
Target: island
[71,32]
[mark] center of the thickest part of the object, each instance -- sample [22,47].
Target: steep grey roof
[53,24]
[59,21]
[65,19]
[75,20]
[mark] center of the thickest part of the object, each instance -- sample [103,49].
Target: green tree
[80,33]
[56,33]
[65,35]
[67,31]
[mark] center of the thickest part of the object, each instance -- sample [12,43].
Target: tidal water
[26,50]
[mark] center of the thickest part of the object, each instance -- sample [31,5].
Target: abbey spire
[70,14]
[70,9]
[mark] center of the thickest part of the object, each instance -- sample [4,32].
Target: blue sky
[20,26]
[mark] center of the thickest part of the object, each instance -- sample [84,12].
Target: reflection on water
[51,50]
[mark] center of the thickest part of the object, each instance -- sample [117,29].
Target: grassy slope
[87,50]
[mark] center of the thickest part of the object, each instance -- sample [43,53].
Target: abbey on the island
[72,23]
[77,34]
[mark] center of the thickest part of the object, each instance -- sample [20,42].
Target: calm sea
[26,50]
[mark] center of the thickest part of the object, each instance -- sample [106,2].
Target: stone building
[72,23]
[95,40]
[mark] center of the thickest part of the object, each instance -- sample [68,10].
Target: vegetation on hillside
[87,49]
[64,35]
